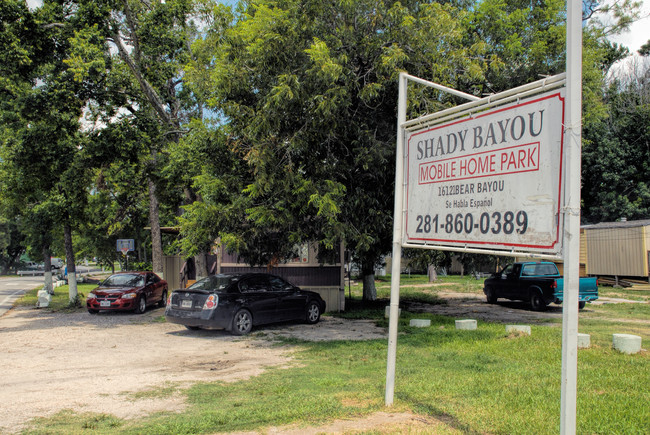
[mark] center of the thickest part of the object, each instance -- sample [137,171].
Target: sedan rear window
[124,280]
[214,282]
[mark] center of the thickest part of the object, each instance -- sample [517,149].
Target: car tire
[91,311]
[581,304]
[163,301]
[537,302]
[193,328]
[313,312]
[242,322]
[142,305]
[490,295]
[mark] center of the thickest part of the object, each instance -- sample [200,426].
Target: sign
[125,245]
[489,180]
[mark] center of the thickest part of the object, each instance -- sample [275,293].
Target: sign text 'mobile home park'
[492,180]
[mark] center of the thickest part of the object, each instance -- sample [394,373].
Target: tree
[309,92]
[42,181]
[616,158]
[11,244]
[153,41]
[645,49]
[118,205]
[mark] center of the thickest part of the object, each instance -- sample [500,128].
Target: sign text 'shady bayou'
[491,180]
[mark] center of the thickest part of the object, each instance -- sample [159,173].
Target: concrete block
[627,343]
[420,323]
[468,324]
[524,329]
[584,341]
[387,312]
[44,299]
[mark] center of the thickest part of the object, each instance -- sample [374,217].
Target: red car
[128,291]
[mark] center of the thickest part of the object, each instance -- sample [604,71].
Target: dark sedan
[237,302]
[133,291]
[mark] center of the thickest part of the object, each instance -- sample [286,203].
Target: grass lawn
[481,381]
[60,300]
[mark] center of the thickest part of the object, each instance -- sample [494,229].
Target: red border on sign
[483,243]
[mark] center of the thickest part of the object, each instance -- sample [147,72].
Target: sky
[639,32]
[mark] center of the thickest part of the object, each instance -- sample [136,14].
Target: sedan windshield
[214,282]
[124,280]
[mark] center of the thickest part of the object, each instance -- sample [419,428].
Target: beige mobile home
[618,249]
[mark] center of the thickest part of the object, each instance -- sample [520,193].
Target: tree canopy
[273,123]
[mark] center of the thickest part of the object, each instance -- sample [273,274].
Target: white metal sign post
[572,219]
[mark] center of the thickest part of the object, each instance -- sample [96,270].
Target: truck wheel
[537,302]
[581,304]
[490,295]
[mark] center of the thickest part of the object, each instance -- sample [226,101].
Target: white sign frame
[569,219]
[488,178]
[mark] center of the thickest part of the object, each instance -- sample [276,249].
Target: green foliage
[11,244]
[517,41]
[309,94]
[616,158]
[140,265]
[645,49]
[272,124]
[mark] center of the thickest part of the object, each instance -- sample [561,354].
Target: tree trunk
[369,289]
[156,239]
[47,262]
[431,271]
[201,263]
[69,258]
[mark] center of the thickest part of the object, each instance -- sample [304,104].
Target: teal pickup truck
[539,283]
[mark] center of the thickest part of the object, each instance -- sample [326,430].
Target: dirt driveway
[83,362]
[96,363]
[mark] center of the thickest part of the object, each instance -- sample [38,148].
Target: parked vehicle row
[237,302]
[234,302]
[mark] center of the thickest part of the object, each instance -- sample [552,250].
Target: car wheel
[537,302]
[142,305]
[242,322]
[313,312]
[91,311]
[163,301]
[490,295]
[581,304]
[193,328]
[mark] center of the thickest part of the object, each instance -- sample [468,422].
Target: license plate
[186,303]
[104,303]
